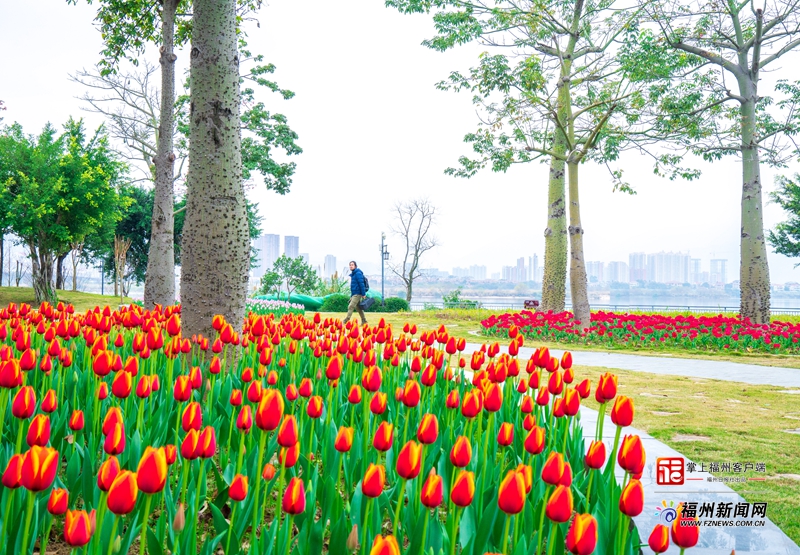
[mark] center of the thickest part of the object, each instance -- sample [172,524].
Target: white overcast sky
[375,130]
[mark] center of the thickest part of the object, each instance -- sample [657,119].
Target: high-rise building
[533,267]
[637,261]
[461,272]
[269,249]
[477,272]
[330,265]
[719,271]
[594,270]
[617,272]
[695,271]
[291,246]
[668,267]
[522,273]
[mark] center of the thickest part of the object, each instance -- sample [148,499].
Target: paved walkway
[766,540]
[709,369]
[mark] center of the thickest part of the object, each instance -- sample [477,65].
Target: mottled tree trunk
[754,268]
[554,280]
[60,270]
[215,247]
[159,284]
[42,274]
[577,265]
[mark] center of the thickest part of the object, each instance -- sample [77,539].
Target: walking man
[358,291]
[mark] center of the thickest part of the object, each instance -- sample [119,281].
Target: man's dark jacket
[357,286]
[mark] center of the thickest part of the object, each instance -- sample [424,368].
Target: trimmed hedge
[338,303]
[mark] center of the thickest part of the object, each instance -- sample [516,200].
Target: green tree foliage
[785,238]
[57,190]
[290,275]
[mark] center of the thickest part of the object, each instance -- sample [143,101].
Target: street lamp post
[384,258]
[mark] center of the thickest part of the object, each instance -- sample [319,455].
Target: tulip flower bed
[304,436]
[277,308]
[634,331]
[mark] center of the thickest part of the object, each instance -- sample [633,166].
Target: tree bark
[215,247]
[42,275]
[159,285]
[2,258]
[554,279]
[754,267]
[60,271]
[577,264]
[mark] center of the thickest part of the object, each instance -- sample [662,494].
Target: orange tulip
[122,494]
[473,403]
[334,369]
[511,494]
[684,535]
[39,431]
[606,387]
[596,455]
[462,491]
[631,456]
[374,480]
[409,460]
[378,403]
[58,501]
[39,468]
[107,473]
[371,378]
[314,406]
[244,421]
[659,539]
[527,474]
[553,468]
[493,398]
[255,391]
[122,385]
[171,453]
[269,472]
[505,436]
[631,501]
[50,402]
[344,439]
[354,397]
[76,421]
[582,535]
[288,433]
[270,410]
[584,388]
[428,429]
[288,456]
[151,475]
[183,389]
[411,394]
[452,400]
[189,446]
[77,528]
[461,453]
[192,417]
[385,546]
[12,476]
[534,441]
[294,500]
[622,411]
[114,443]
[566,360]
[238,489]
[207,443]
[559,506]
[24,404]
[112,418]
[384,437]
[431,495]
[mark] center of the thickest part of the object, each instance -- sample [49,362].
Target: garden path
[694,368]
[761,540]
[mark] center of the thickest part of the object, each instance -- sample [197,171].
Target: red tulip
[39,431]
[334,369]
[183,389]
[383,437]
[622,411]
[559,506]
[582,535]
[314,407]
[452,400]
[431,495]
[493,398]
[107,473]
[684,535]
[269,472]
[596,455]
[122,494]
[151,475]
[631,456]
[428,429]
[385,546]
[288,456]
[411,394]
[294,499]
[344,439]
[244,421]
[473,403]
[238,489]
[607,386]
[270,410]
[207,443]
[505,436]
[378,403]
[409,460]
[659,539]
[534,441]
[553,468]
[461,453]
[24,404]
[189,446]
[114,443]
[371,378]
[12,476]
[58,501]
[288,433]
[50,402]
[463,489]
[192,417]
[354,397]
[511,494]
[77,528]
[122,385]
[374,480]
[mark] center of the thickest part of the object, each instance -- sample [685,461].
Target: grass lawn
[81,301]
[467,324]
[726,422]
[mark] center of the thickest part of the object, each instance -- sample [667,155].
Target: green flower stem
[28,516]
[505,535]
[399,507]
[3,406]
[20,433]
[230,530]
[45,536]
[289,535]
[486,467]
[261,444]
[589,489]
[143,537]
[278,507]
[613,458]
[114,536]
[365,438]
[551,540]
[541,521]
[240,458]
[454,535]
[624,520]
[424,532]
[364,526]
[517,522]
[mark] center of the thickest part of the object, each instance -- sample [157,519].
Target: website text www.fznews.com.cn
[721,523]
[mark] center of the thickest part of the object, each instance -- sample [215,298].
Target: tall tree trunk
[554,280]
[60,271]
[42,275]
[159,284]
[754,268]
[75,274]
[215,247]
[2,258]
[577,264]
[409,286]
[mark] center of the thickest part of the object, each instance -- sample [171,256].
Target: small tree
[413,222]
[293,274]
[785,239]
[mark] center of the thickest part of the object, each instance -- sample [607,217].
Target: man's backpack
[366,284]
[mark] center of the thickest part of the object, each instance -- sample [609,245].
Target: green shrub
[392,304]
[335,303]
